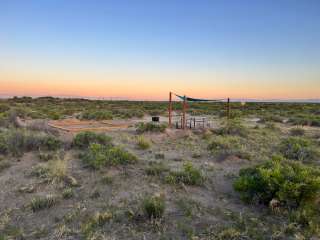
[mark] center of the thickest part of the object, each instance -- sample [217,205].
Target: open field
[127,178]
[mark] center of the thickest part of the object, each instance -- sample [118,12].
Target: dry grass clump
[154,206]
[39,203]
[54,171]
[93,223]
[143,143]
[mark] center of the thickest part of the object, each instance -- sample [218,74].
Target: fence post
[184,113]
[228,108]
[170,109]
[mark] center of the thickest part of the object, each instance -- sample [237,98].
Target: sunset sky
[142,49]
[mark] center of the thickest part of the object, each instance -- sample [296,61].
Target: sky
[142,49]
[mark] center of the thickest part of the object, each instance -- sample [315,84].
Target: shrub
[4,148]
[154,206]
[143,143]
[156,169]
[97,115]
[67,193]
[291,183]
[150,127]
[233,127]
[297,131]
[51,143]
[271,118]
[224,146]
[98,155]
[39,203]
[297,148]
[18,141]
[4,164]
[189,175]
[84,139]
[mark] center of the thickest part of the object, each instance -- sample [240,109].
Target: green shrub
[4,148]
[305,120]
[233,127]
[143,143]
[51,143]
[99,155]
[291,183]
[67,193]
[154,206]
[189,176]
[151,127]
[18,141]
[224,146]
[97,115]
[271,118]
[84,139]
[297,148]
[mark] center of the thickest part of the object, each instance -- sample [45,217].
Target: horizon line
[300,100]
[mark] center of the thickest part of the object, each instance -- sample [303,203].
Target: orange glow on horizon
[148,86]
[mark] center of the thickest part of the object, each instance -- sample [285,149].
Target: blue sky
[260,39]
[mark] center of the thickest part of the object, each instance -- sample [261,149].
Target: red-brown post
[184,113]
[228,108]
[170,109]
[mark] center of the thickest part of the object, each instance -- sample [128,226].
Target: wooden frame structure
[184,121]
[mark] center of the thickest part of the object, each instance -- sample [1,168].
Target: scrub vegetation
[253,176]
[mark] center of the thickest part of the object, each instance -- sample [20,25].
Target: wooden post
[228,108]
[184,112]
[170,109]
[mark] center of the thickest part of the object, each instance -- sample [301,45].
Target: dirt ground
[191,211]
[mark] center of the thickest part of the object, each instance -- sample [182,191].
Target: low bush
[305,120]
[143,143]
[225,146]
[51,143]
[291,188]
[151,127]
[297,131]
[4,165]
[298,148]
[154,206]
[84,139]
[156,169]
[189,176]
[271,118]
[99,155]
[67,193]
[97,115]
[291,183]
[18,141]
[233,127]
